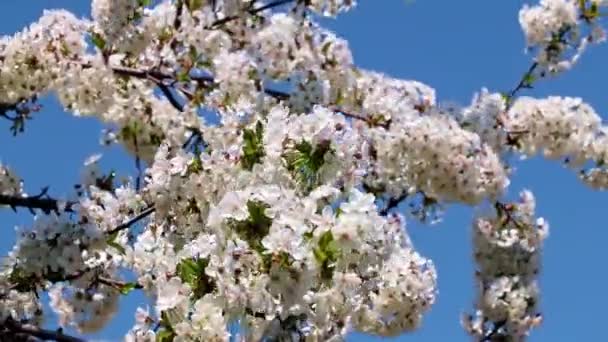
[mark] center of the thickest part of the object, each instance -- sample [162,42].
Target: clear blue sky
[455,46]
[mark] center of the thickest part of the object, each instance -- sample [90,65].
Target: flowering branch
[158,77]
[252,11]
[493,333]
[15,331]
[22,109]
[528,77]
[392,203]
[524,82]
[145,213]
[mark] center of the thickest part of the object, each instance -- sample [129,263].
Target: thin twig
[523,83]
[508,211]
[167,92]
[392,203]
[253,11]
[493,332]
[158,77]
[145,213]
[137,165]
[118,284]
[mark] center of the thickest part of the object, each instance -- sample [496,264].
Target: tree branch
[490,335]
[158,77]
[27,330]
[392,203]
[34,202]
[252,11]
[147,212]
[526,80]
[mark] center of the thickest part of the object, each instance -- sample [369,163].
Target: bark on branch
[11,330]
[47,205]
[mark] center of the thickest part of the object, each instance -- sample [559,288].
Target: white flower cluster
[265,253]
[87,309]
[200,36]
[561,127]
[276,47]
[331,7]
[384,98]
[433,154]
[507,252]
[32,60]
[56,246]
[10,183]
[555,25]
[484,116]
[261,218]
[236,74]
[16,304]
[558,126]
[142,330]
[113,19]
[110,209]
[542,21]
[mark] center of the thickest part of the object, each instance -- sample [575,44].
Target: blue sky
[455,46]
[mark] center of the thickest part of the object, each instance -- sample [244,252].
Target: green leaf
[112,242]
[165,34]
[253,146]
[257,214]
[326,254]
[183,76]
[339,97]
[165,336]
[128,287]
[325,48]
[304,161]
[192,272]
[307,236]
[193,5]
[255,227]
[65,49]
[98,40]
[144,3]
[505,97]
[196,165]
[252,74]
[528,79]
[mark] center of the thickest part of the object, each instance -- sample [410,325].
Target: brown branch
[34,202]
[26,331]
[177,22]
[392,203]
[137,165]
[158,77]
[494,332]
[167,92]
[507,209]
[145,213]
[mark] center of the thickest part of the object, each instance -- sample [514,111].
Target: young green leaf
[253,146]
[128,287]
[98,40]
